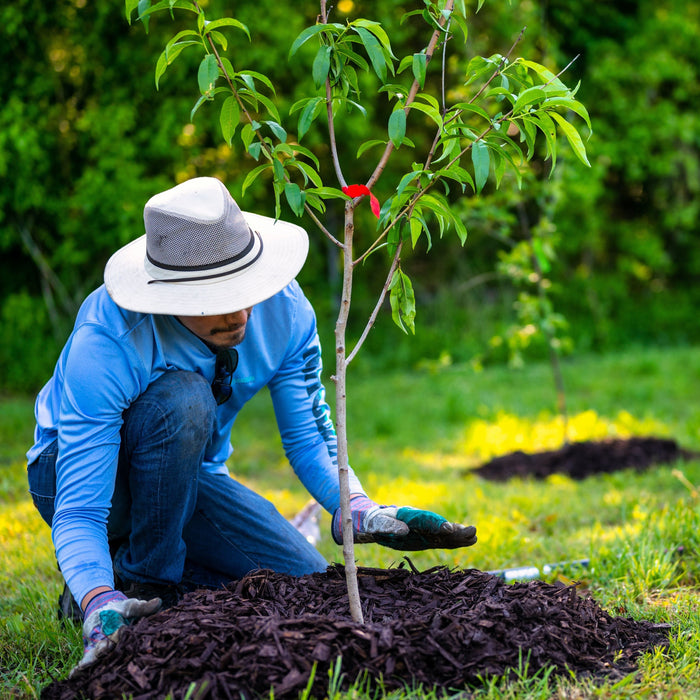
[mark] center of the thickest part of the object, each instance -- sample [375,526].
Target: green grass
[415,436]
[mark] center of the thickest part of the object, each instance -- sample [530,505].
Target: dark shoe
[170,594]
[68,609]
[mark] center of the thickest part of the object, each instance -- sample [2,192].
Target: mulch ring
[441,628]
[581,459]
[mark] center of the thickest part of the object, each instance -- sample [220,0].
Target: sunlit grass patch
[507,432]
[25,547]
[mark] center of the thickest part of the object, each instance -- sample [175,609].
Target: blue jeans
[170,520]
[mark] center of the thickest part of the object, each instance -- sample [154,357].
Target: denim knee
[41,475]
[180,399]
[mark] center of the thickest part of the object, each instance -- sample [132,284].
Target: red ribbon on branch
[358,191]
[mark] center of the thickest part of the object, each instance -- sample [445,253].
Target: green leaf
[378,31]
[315,202]
[328,192]
[129,7]
[246,75]
[312,31]
[343,49]
[278,188]
[416,226]
[431,111]
[306,152]
[480,67]
[482,162]
[397,127]
[461,229]
[528,133]
[207,74]
[228,118]
[309,172]
[548,128]
[420,62]
[374,51]
[468,107]
[271,106]
[225,22]
[228,68]
[247,135]
[277,130]
[367,145]
[458,174]
[165,5]
[182,35]
[499,167]
[544,73]
[252,176]
[403,302]
[573,137]
[295,197]
[285,149]
[164,60]
[144,5]
[573,105]
[278,170]
[202,99]
[321,65]
[220,39]
[308,114]
[406,61]
[528,97]
[406,180]
[499,93]
[254,149]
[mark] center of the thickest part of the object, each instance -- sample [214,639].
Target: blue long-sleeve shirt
[110,359]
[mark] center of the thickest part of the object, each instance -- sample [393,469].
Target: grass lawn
[415,435]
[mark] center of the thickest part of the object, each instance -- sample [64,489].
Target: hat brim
[284,250]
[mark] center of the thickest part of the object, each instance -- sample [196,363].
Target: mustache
[230,329]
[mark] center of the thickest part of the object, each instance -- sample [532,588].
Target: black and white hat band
[238,263]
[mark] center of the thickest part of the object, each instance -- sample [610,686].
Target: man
[133,429]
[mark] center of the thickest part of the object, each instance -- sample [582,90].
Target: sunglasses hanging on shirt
[226,363]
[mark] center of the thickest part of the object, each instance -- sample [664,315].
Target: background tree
[84,140]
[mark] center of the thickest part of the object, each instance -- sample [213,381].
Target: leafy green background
[85,140]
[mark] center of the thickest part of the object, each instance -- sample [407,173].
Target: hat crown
[196,225]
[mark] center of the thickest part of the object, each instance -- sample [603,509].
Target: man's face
[223,331]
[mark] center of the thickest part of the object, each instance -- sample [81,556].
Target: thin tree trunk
[341,420]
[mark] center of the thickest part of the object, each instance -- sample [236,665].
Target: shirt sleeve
[303,416]
[101,379]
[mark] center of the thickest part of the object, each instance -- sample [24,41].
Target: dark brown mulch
[439,628]
[581,459]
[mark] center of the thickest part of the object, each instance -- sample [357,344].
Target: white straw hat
[203,256]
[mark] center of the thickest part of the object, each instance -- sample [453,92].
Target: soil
[582,459]
[438,628]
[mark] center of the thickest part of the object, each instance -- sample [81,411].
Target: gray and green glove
[405,528]
[106,614]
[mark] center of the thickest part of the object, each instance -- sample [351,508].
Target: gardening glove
[105,616]
[407,529]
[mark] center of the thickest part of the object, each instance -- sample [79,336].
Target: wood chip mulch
[441,628]
[582,459]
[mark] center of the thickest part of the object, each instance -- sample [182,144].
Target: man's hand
[405,528]
[105,616]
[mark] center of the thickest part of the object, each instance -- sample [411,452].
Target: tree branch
[329,112]
[380,302]
[430,50]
